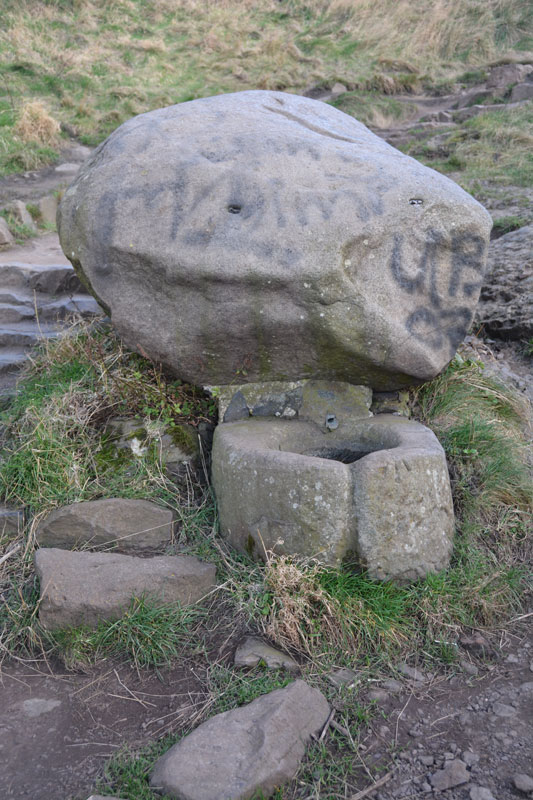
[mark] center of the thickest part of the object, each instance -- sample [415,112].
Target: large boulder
[266,236]
[506,305]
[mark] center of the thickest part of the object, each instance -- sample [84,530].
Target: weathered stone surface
[177,445]
[309,400]
[6,237]
[375,488]
[453,774]
[506,305]
[272,236]
[84,588]
[508,74]
[523,782]
[522,91]
[257,747]
[253,650]
[127,526]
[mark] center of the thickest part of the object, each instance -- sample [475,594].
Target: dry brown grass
[35,124]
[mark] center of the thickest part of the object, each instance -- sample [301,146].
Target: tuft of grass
[372,108]
[36,125]
[503,225]
[149,635]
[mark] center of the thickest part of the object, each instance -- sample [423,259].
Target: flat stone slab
[84,588]
[257,747]
[253,651]
[121,524]
[376,488]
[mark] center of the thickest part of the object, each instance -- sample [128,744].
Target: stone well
[334,484]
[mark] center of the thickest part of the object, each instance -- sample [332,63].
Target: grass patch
[372,108]
[495,146]
[149,635]
[94,64]
[503,225]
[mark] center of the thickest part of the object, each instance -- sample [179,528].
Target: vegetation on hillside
[91,64]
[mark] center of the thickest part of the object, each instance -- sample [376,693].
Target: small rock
[470,758]
[468,667]
[48,209]
[255,748]
[342,677]
[480,793]
[454,773]
[522,91]
[512,659]
[38,705]
[117,523]
[252,651]
[84,588]
[503,710]
[426,787]
[415,732]
[80,152]
[411,672]
[338,89]
[20,212]
[427,761]
[392,685]
[523,782]
[526,688]
[378,695]
[6,237]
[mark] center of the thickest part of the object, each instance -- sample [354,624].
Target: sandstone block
[48,208]
[376,488]
[257,747]
[84,588]
[522,91]
[128,526]
[272,236]
[22,215]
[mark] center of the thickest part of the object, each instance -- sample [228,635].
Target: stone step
[15,306]
[49,278]
[12,359]
[26,334]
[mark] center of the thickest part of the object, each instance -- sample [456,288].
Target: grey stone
[377,488]
[481,793]
[337,89]
[121,524]
[427,761]
[523,782]
[411,672]
[469,758]
[506,303]
[79,152]
[468,667]
[508,74]
[503,710]
[36,706]
[473,97]
[11,521]
[454,773]
[48,209]
[343,677]
[252,651]
[392,685]
[273,236]
[21,214]
[522,91]
[378,695]
[6,237]
[255,748]
[310,400]
[84,588]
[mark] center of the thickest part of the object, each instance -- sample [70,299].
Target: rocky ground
[466,732]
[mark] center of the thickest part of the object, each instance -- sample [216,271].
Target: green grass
[149,635]
[373,108]
[495,146]
[503,225]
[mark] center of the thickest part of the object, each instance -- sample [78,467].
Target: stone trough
[335,485]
